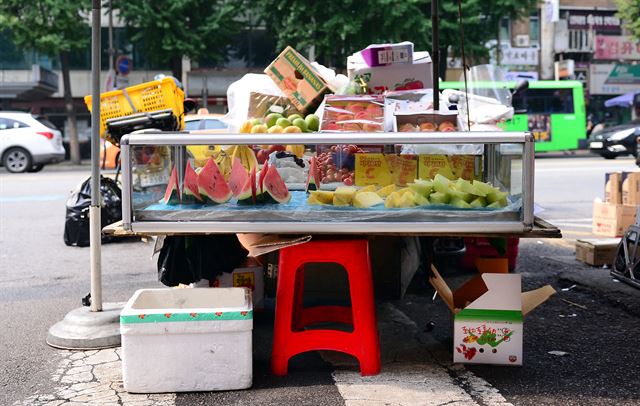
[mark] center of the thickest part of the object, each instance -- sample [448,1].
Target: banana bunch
[245,154]
[224,161]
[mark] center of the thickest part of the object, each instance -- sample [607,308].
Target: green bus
[555,112]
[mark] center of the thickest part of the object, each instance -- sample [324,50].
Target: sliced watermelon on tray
[273,186]
[172,194]
[211,184]
[190,193]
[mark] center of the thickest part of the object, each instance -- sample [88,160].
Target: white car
[28,142]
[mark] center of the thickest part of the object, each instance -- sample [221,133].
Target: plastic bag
[76,226]
[250,95]
[188,259]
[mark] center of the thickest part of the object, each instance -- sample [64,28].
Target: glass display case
[338,183]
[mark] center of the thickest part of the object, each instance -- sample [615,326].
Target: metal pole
[95,229]
[435,57]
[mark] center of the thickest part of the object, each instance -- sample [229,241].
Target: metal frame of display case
[181,139]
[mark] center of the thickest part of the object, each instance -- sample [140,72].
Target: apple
[301,124]
[283,122]
[271,119]
[292,129]
[313,122]
[293,117]
[262,156]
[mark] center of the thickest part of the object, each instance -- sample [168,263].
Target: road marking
[410,374]
[94,377]
[33,198]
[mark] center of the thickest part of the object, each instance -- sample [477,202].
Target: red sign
[617,47]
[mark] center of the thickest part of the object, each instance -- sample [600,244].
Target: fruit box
[488,313]
[379,79]
[427,121]
[613,187]
[251,278]
[612,220]
[353,113]
[295,76]
[596,252]
[631,188]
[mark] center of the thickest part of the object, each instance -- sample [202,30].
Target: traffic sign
[124,65]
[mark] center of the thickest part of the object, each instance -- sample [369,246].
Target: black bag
[187,259]
[76,226]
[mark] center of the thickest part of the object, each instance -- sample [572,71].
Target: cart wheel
[627,259]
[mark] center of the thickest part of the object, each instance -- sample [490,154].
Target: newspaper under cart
[184,340]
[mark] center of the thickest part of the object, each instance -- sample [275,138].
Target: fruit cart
[504,159]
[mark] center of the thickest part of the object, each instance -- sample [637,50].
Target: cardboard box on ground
[488,313]
[597,252]
[612,217]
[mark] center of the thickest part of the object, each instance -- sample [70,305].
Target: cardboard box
[461,166]
[262,104]
[612,220]
[597,252]
[380,79]
[419,118]
[613,187]
[295,76]
[488,315]
[631,188]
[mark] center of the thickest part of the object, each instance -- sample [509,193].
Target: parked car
[619,140]
[28,142]
[203,121]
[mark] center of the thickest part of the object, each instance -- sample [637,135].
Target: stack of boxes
[612,217]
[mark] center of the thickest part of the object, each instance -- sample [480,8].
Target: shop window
[505,29]
[534,28]
[545,101]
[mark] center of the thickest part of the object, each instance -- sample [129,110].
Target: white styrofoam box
[184,340]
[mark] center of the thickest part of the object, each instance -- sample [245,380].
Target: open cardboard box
[488,313]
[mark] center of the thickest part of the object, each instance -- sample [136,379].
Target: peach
[407,128]
[427,127]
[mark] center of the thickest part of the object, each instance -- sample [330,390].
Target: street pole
[95,229]
[435,57]
[112,51]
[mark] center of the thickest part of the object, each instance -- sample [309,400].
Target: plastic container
[184,340]
[151,96]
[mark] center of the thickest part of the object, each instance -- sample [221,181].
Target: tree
[629,12]
[172,29]
[338,28]
[54,28]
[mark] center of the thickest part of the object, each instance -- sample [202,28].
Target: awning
[626,100]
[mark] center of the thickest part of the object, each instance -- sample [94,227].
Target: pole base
[82,329]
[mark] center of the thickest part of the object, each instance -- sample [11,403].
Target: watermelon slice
[263,173]
[275,187]
[252,180]
[313,181]
[239,181]
[172,194]
[211,184]
[190,191]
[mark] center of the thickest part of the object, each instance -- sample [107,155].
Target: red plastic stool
[289,336]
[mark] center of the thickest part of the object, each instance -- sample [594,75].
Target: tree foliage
[629,12]
[171,29]
[337,28]
[48,26]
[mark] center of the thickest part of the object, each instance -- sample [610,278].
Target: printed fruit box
[295,76]
[426,121]
[488,313]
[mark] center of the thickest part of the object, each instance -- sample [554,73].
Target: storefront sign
[613,79]
[519,56]
[617,47]
[602,22]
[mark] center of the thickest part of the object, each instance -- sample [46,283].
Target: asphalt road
[41,279]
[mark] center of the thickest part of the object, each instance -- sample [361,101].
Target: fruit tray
[242,197]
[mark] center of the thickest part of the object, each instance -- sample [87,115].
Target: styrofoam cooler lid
[194,304]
